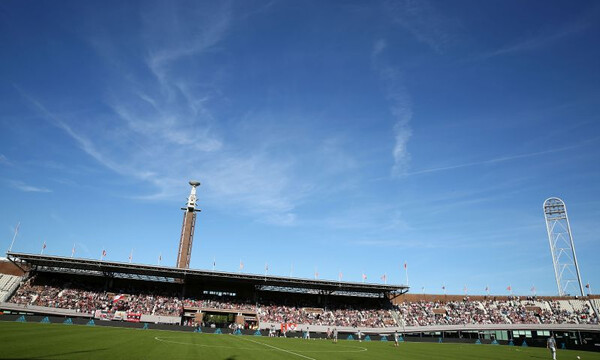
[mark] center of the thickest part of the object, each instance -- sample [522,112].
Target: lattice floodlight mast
[187,229]
[566,269]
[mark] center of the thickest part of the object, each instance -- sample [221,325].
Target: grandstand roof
[170,274]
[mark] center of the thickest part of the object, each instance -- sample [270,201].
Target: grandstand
[185,299]
[191,297]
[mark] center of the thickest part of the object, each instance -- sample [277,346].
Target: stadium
[342,145]
[281,315]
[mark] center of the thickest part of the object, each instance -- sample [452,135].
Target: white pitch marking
[165,340]
[360,348]
[280,349]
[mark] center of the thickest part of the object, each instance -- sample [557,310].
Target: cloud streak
[162,130]
[4,160]
[400,106]
[424,22]
[19,185]
[498,159]
[539,41]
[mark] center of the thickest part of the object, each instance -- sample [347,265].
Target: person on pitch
[551,344]
[335,335]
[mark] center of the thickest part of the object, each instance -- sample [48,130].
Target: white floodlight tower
[566,269]
[187,229]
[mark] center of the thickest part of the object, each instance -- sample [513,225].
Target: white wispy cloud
[19,185]
[498,159]
[4,160]
[424,22]
[173,33]
[540,40]
[400,106]
[162,129]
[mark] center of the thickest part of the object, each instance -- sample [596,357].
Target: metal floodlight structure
[566,269]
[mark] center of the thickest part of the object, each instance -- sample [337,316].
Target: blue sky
[341,136]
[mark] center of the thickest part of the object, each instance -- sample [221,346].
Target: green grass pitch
[58,341]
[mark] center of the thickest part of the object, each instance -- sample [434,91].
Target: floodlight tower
[187,229]
[566,269]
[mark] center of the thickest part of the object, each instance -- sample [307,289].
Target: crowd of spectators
[86,298]
[558,315]
[57,297]
[220,303]
[493,311]
[340,316]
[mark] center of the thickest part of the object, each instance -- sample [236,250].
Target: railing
[43,310]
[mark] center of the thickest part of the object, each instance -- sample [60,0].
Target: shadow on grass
[54,355]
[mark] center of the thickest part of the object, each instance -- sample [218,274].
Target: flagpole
[131,255]
[14,236]
[159,258]
[73,250]
[214,263]
[292,270]
[43,247]
[406,272]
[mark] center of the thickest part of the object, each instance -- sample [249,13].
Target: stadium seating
[8,284]
[87,297]
[505,311]
[332,316]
